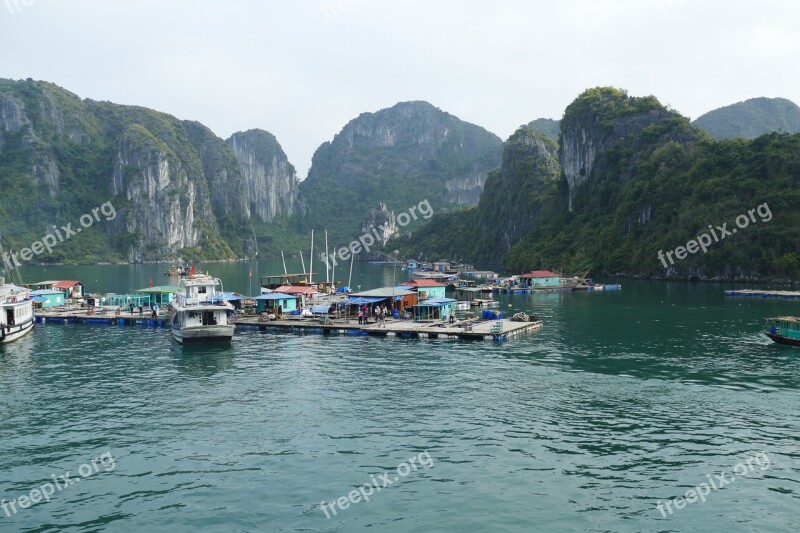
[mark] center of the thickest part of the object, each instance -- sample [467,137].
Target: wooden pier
[755,293]
[474,329]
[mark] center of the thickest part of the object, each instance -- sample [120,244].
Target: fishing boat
[177,271]
[16,312]
[784,330]
[201,314]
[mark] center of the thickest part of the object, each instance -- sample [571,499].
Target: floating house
[302,292]
[270,302]
[540,279]
[425,288]
[160,295]
[435,309]
[48,298]
[124,301]
[71,289]
[391,297]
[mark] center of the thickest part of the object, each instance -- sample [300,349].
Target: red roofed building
[426,288]
[303,291]
[70,288]
[541,278]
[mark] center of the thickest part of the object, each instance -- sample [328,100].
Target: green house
[435,309]
[48,297]
[425,288]
[270,302]
[539,279]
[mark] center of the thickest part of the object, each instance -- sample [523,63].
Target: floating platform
[81,316]
[495,330]
[754,293]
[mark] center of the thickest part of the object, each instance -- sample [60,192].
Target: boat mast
[311,265]
[303,262]
[350,279]
[327,270]
[333,271]
[285,273]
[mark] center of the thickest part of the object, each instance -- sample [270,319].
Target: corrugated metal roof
[66,284]
[383,292]
[540,274]
[423,283]
[160,289]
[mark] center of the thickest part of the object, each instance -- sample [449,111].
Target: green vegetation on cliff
[751,118]
[654,183]
[399,156]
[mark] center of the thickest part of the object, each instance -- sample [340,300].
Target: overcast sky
[303,68]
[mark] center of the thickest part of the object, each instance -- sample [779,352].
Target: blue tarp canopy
[320,309]
[275,296]
[361,301]
[343,289]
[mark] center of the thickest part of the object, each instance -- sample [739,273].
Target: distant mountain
[549,127]
[751,118]
[634,191]
[177,189]
[395,157]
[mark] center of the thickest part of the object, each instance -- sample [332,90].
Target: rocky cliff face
[524,183]
[599,121]
[271,181]
[398,156]
[178,189]
[383,221]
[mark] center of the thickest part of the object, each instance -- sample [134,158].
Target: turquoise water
[622,401]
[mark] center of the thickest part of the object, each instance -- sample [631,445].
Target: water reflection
[202,360]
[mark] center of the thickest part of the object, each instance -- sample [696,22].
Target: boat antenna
[350,279]
[303,263]
[327,269]
[311,266]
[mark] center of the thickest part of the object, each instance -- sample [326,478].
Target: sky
[302,69]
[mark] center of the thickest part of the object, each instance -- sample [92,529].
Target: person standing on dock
[383,318]
[360,316]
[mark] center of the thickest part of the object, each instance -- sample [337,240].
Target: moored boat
[16,312]
[201,314]
[784,330]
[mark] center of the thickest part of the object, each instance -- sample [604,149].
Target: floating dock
[495,330]
[754,293]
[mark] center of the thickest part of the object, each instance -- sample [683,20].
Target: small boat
[177,271]
[784,330]
[202,315]
[16,312]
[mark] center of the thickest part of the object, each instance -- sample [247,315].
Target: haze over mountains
[596,188]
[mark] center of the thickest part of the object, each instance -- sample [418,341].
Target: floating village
[438,300]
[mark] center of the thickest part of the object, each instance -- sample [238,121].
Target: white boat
[201,315]
[16,312]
